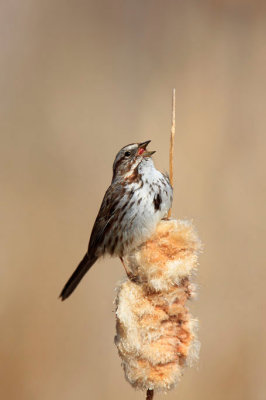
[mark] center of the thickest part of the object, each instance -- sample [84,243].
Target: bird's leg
[129,274]
[124,265]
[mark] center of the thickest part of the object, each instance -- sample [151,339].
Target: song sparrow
[138,197]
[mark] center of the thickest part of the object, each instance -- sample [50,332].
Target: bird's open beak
[142,149]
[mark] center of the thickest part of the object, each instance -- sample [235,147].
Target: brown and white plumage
[138,197]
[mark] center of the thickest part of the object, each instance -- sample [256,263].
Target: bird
[137,199]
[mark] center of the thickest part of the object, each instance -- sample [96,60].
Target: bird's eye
[127,153]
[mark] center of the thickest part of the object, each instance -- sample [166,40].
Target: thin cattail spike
[171,152]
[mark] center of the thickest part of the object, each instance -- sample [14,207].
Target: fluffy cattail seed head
[156,335]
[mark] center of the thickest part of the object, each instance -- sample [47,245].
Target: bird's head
[129,157]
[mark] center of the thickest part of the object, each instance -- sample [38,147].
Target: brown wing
[102,226]
[105,218]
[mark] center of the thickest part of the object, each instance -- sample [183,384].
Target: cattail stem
[171,152]
[156,335]
[149,395]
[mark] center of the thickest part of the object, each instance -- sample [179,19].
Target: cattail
[156,334]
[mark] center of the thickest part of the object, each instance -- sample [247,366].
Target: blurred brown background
[79,80]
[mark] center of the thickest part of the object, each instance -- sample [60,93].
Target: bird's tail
[77,275]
